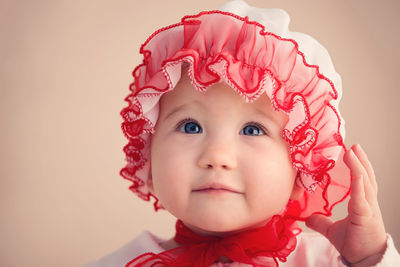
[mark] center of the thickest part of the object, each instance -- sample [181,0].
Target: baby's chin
[221,227]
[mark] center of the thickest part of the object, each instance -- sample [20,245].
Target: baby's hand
[360,237]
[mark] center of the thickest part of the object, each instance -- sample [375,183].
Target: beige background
[64,71]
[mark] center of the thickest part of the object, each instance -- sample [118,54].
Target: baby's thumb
[319,223]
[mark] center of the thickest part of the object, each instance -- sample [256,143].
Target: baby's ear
[149,184]
[297,191]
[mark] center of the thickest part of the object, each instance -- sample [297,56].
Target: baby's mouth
[216,188]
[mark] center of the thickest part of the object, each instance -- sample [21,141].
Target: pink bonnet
[253,51]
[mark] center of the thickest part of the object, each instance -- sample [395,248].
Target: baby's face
[218,163]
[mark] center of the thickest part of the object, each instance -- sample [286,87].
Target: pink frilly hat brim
[219,46]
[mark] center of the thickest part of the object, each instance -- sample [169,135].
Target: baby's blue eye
[253,130]
[190,127]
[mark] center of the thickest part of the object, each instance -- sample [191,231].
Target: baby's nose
[218,155]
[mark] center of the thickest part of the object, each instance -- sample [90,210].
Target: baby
[233,127]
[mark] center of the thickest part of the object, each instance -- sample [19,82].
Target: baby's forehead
[217,98]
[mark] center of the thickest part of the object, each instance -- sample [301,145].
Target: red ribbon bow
[260,247]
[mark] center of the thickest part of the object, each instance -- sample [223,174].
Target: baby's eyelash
[181,123]
[262,127]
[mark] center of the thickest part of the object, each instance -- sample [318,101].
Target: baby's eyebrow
[262,112]
[268,116]
[182,107]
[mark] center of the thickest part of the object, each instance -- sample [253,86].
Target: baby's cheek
[165,197]
[269,195]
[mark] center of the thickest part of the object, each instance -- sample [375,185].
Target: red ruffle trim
[252,61]
[259,247]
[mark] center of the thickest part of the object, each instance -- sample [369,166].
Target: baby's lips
[216,186]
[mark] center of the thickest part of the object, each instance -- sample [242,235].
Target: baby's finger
[362,156]
[358,207]
[320,224]
[357,193]
[358,171]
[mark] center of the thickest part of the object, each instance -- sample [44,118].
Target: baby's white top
[313,250]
